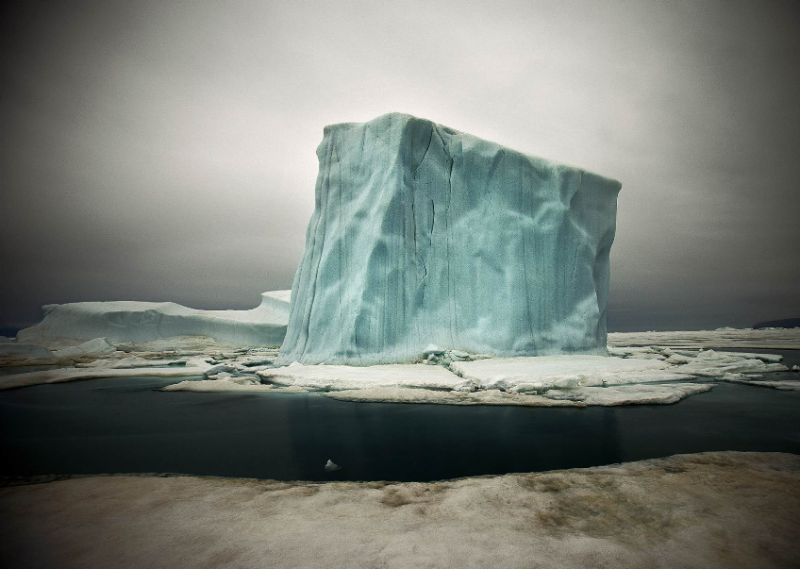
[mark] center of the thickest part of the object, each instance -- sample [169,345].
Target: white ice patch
[637,375]
[546,372]
[340,377]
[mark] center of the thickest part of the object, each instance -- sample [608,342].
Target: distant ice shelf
[775,338]
[136,322]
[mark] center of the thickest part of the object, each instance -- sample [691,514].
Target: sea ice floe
[647,375]
[340,378]
[606,397]
[218,386]
[74,374]
[629,375]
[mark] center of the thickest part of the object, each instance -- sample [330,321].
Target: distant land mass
[785,323]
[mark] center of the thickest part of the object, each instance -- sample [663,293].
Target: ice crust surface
[128,321]
[635,375]
[710,510]
[627,375]
[340,378]
[426,235]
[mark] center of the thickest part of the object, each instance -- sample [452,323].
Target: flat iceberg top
[380,122]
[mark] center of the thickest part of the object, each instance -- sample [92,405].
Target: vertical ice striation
[426,235]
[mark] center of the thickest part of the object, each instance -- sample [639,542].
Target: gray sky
[165,150]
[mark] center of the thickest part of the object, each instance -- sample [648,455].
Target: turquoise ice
[425,235]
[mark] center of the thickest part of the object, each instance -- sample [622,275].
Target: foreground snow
[706,510]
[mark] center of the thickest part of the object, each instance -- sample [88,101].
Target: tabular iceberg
[424,235]
[128,321]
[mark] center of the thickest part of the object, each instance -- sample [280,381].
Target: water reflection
[106,426]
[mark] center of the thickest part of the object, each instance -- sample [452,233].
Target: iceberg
[425,235]
[129,321]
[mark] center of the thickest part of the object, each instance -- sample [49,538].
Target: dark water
[124,425]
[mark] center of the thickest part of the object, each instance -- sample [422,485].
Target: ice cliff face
[426,235]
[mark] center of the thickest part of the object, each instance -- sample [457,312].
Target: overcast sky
[165,150]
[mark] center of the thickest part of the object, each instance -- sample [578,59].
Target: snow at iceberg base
[127,321]
[426,235]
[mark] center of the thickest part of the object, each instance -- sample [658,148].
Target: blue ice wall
[426,235]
